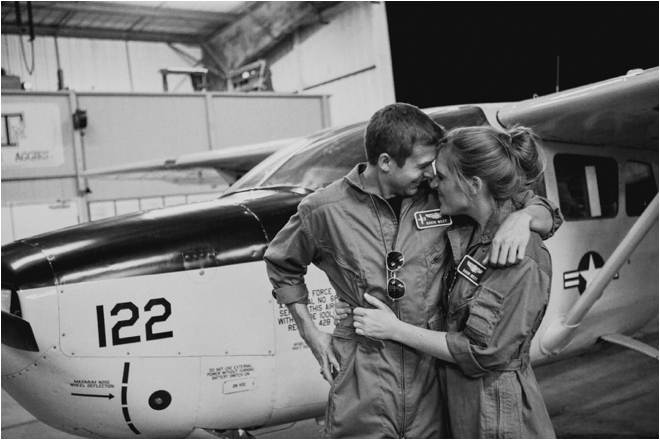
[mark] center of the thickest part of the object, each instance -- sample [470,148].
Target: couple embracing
[435,319]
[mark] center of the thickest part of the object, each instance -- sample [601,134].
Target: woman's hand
[378,323]
[510,240]
[342,310]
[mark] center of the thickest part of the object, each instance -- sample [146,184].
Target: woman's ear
[476,184]
[384,162]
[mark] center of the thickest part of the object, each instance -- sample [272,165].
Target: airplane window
[640,187]
[322,162]
[588,186]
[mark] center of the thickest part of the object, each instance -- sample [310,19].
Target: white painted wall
[96,65]
[25,220]
[348,58]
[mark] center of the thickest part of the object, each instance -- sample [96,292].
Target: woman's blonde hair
[506,161]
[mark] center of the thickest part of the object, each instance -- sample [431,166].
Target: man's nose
[429,172]
[433,182]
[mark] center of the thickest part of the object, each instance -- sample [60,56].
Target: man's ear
[384,162]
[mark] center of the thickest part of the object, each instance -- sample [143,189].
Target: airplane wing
[620,112]
[217,167]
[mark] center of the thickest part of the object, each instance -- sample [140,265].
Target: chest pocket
[344,274]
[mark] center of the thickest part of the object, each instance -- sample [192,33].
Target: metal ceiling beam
[130,10]
[104,34]
[262,26]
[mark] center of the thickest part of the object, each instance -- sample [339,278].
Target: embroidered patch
[471,269]
[431,219]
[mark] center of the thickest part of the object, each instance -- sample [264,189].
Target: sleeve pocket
[484,314]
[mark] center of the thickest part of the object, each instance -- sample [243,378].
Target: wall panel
[348,59]
[343,46]
[44,73]
[148,58]
[105,68]
[7,225]
[96,65]
[38,190]
[359,93]
[36,219]
[246,119]
[126,128]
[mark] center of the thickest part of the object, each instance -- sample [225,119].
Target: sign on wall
[31,136]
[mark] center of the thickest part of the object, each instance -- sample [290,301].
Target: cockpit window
[588,186]
[316,161]
[310,163]
[640,187]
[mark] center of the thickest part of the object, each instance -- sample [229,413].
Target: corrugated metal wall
[348,59]
[96,65]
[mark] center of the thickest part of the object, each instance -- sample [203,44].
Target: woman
[489,317]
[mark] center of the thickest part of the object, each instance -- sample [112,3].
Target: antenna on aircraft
[557,82]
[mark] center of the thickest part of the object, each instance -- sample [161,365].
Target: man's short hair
[396,129]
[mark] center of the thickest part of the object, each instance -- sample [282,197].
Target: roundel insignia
[588,268]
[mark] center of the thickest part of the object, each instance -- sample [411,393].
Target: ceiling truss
[228,39]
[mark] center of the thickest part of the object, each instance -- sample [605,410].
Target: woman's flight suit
[491,391]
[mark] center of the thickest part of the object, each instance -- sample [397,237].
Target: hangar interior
[96,84]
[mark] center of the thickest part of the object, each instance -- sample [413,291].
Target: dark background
[457,53]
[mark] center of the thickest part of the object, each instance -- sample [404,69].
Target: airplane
[161,324]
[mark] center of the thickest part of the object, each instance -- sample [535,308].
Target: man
[382,212]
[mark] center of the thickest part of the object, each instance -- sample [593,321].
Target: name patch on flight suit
[431,219]
[471,269]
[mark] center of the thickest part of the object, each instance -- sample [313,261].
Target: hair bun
[525,149]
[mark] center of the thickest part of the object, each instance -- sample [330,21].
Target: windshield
[311,163]
[323,157]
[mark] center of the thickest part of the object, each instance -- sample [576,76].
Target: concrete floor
[608,392]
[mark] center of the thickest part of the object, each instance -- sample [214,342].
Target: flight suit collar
[465,232]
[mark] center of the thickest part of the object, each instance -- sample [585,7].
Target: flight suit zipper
[402,434]
[397,223]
